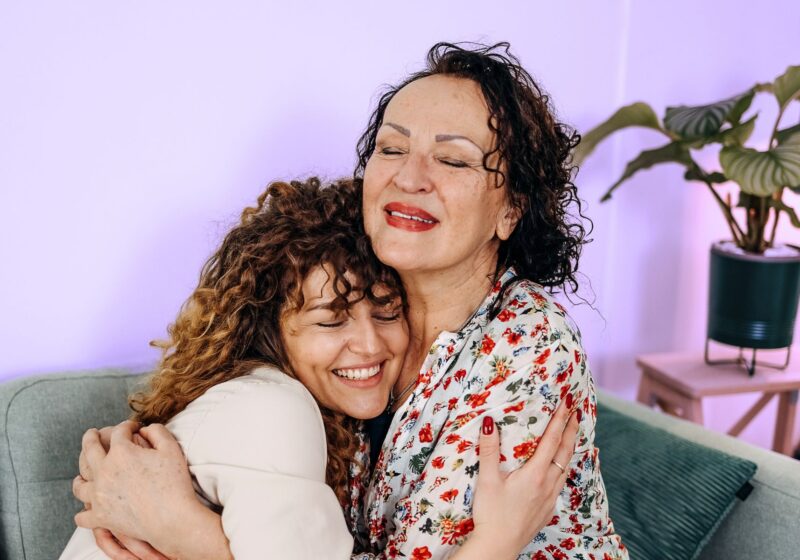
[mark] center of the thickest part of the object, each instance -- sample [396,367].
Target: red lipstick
[409,218]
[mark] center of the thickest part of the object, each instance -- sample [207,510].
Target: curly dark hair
[534,158]
[231,322]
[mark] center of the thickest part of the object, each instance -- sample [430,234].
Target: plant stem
[777,196]
[736,231]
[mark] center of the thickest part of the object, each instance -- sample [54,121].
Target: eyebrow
[401,129]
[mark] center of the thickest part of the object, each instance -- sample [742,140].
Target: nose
[365,340]
[413,175]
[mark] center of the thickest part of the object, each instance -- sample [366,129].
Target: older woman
[467,191]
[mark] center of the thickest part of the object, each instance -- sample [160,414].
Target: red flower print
[426,433]
[446,382]
[553,521]
[575,498]
[539,556]
[577,357]
[438,462]
[463,445]
[505,315]
[460,375]
[421,553]
[464,527]
[449,495]
[451,404]
[511,337]
[475,400]
[452,438]
[556,553]
[487,344]
[570,400]
[568,543]
[543,357]
[524,450]
[515,408]
[561,377]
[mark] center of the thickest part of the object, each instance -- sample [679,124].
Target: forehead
[446,103]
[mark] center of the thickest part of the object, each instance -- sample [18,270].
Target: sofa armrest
[43,419]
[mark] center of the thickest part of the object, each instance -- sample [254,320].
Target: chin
[366,412]
[401,258]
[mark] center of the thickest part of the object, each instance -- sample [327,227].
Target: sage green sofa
[44,417]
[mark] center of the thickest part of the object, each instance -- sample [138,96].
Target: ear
[507,220]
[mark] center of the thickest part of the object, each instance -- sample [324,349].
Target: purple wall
[132,134]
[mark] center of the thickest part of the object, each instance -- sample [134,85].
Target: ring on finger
[559,465]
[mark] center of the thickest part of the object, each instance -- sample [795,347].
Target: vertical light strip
[616,163]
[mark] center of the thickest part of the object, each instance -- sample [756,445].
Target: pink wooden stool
[678,382]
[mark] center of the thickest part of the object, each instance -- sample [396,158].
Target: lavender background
[133,133]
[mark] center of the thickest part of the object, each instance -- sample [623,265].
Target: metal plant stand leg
[750,365]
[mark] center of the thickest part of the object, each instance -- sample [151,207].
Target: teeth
[409,217]
[361,373]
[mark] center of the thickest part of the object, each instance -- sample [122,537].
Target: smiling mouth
[409,217]
[358,373]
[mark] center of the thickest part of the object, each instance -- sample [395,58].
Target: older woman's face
[429,204]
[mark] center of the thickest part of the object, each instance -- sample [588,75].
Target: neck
[441,300]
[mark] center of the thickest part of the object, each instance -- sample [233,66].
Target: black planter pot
[753,298]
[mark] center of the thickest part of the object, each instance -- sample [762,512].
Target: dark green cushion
[666,495]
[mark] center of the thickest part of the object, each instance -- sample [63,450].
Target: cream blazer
[256,447]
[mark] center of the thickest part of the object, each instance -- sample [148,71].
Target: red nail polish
[488,425]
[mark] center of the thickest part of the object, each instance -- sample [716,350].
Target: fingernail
[488,425]
[579,413]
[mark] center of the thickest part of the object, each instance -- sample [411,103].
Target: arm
[154,484]
[260,454]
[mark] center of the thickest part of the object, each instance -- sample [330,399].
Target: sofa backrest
[42,420]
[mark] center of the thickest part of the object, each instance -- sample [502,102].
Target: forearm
[196,536]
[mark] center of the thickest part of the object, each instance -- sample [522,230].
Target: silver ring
[559,465]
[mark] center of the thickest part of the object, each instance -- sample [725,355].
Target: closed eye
[391,152]
[454,162]
[387,318]
[331,325]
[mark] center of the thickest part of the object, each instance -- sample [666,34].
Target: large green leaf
[787,86]
[763,173]
[788,210]
[735,135]
[704,121]
[676,152]
[636,114]
[783,135]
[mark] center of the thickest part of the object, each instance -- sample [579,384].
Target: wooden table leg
[694,411]
[645,394]
[784,422]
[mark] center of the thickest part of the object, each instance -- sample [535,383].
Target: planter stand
[742,361]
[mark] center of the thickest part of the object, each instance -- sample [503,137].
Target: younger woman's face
[349,360]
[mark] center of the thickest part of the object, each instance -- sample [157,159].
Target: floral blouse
[515,367]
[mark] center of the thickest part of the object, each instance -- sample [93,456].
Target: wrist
[197,535]
[483,543]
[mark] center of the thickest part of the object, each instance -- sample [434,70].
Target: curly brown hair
[231,322]
[534,158]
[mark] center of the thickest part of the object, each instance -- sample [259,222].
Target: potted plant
[754,281]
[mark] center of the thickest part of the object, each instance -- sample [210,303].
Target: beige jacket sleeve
[256,446]
[258,450]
